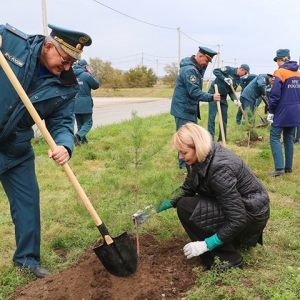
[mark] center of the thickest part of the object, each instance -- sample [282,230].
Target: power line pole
[44,12]
[219,54]
[179,55]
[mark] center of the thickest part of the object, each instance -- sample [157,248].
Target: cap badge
[83,39]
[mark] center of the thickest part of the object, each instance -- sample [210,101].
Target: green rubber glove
[213,242]
[166,204]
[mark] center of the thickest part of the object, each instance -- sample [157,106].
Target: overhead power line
[213,46]
[124,56]
[133,17]
[153,24]
[142,53]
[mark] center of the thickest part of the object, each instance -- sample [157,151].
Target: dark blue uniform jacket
[256,88]
[284,100]
[52,97]
[84,101]
[188,91]
[223,88]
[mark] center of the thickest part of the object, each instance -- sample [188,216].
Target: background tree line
[137,77]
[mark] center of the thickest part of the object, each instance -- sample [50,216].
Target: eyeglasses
[63,61]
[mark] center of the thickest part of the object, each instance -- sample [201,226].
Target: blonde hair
[193,136]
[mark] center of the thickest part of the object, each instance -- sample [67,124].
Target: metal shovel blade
[264,121]
[120,257]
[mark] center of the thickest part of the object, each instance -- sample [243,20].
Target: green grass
[159,91]
[106,169]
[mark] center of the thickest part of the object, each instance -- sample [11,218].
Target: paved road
[109,110]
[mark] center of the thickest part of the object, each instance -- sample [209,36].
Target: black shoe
[236,264]
[39,272]
[224,267]
[278,172]
[288,170]
[84,141]
[76,140]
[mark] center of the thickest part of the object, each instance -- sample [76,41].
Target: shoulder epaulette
[17,32]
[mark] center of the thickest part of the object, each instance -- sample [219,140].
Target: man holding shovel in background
[188,90]
[225,78]
[255,89]
[43,65]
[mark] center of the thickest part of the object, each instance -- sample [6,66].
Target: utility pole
[219,54]
[142,62]
[179,55]
[44,12]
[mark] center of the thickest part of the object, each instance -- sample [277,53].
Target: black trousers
[226,252]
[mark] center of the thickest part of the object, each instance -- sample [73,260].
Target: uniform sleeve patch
[223,69]
[193,79]
[13,59]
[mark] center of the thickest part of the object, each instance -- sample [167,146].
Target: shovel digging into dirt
[117,255]
[263,122]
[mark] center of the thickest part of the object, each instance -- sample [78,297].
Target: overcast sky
[130,32]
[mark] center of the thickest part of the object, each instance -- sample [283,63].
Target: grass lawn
[130,165]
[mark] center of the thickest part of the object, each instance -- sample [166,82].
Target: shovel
[220,118]
[263,121]
[236,97]
[117,255]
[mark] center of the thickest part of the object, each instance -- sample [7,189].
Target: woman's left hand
[194,249]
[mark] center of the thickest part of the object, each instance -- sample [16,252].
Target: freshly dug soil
[163,273]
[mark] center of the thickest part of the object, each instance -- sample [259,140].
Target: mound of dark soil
[163,272]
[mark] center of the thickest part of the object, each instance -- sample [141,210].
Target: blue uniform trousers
[276,147]
[84,125]
[212,112]
[239,115]
[296,134]
[21,187]
[248,106]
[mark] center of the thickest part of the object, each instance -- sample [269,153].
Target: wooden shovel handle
[220,118]
[236,97]
[41,126]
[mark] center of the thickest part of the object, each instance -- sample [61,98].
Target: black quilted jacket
[238,209]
